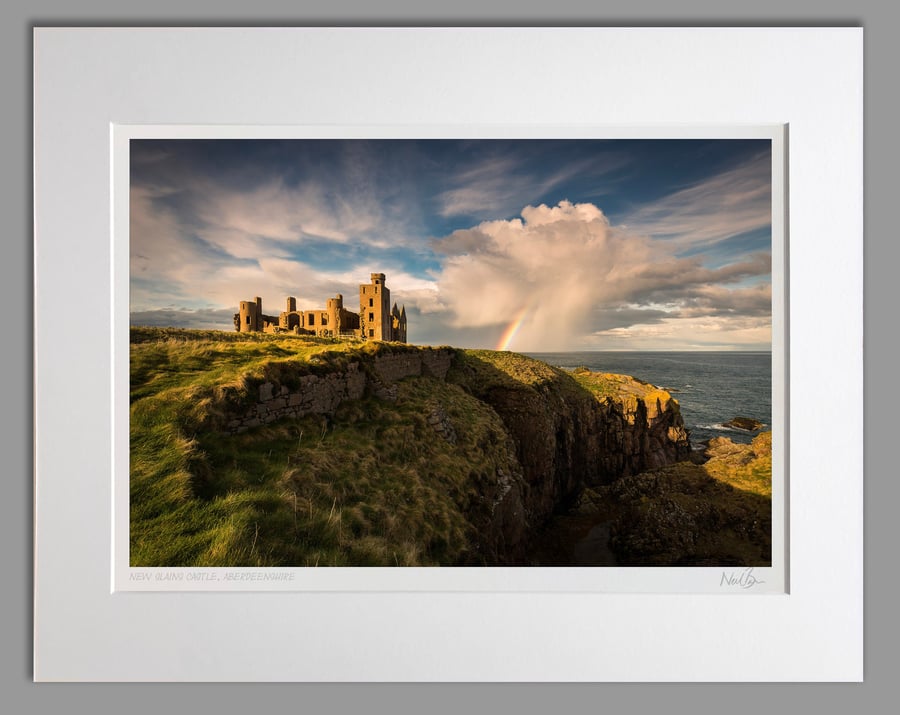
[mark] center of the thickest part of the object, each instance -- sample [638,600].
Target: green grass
[482,370]
[162,358]
[371,485]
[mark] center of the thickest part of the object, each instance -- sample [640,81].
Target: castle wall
[323,394]
[291,320]
[318,321]
[349,322]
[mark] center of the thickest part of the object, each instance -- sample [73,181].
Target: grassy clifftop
[454,470]
[369,484]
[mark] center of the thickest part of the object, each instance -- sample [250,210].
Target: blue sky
[576,244]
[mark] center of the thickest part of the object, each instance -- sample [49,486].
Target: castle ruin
[376,319]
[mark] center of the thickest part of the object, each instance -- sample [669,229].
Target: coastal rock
[714,513]
[745,423]
[722,447]
[641,427]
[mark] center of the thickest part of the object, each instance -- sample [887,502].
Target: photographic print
[451,352]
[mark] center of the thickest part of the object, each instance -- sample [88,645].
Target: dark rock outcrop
[745,423]
[639,433]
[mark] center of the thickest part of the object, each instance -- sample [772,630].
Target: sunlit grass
[747,468]
[370,485]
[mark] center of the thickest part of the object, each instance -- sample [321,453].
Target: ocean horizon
[711,387]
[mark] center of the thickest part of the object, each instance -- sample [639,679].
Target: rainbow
[507,337]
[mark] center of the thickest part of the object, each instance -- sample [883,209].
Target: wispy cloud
[733,202]
[199,238]
[500,185]
[485,187]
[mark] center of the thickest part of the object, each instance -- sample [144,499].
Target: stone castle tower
[376,319]
[250,316]
[375,309]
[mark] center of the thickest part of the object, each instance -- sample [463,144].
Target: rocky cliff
[572,431]
[533,436]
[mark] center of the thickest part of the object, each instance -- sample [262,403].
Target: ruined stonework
[376,319]
[321,395]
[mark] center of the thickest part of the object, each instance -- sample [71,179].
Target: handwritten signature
[742,579]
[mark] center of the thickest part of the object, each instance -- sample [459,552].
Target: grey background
[880,22]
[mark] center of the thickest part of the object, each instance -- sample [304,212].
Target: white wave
[718,427]
[724,428]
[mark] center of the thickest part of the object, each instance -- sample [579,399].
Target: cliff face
[533,436]
[640,425]
[570,433]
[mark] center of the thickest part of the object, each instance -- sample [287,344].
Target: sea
[710,387]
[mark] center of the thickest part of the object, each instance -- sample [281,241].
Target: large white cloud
[572,278]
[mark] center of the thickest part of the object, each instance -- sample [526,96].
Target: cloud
[499,185]
[484,187]
[269,208]
[201,240]
[165,255]
[715,300]
[210,319]
[237,219]
[713,333]
[577,277]
[731,203]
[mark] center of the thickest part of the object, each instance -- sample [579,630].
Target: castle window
[371,316]
[371,333]
[312,319]
[248,320]
[324,320]
[371,302]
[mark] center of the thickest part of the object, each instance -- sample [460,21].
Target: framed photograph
[372,358]
[666,478]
